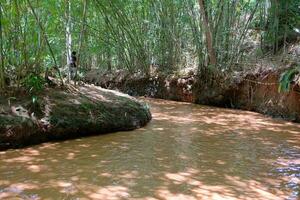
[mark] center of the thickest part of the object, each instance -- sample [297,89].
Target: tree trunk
[82,31]
[68,32]
[107,41]
[2,82]
[208,34]
[17,42]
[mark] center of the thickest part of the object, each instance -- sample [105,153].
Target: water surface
[187,152]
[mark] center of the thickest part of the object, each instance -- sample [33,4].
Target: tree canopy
[37,36]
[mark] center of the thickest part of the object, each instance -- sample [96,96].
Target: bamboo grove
[38,35]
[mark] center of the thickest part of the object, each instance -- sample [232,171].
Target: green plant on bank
[287,78]
[34,84]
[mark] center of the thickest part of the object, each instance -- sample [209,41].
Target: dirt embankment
[257,91]
[63,114]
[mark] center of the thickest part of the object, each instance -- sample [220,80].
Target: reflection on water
[187,152]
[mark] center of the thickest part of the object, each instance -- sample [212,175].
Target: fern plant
[287,78]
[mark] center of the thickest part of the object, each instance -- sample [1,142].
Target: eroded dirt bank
[63,114]
[256,91]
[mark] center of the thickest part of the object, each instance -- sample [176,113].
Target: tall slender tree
[2,82]
[208,34]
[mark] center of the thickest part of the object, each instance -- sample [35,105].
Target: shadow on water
[186,152]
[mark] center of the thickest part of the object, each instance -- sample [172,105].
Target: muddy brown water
[187,152]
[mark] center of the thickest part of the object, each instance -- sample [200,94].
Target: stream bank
[67,113]
[253,91]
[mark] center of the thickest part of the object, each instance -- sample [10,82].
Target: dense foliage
[38,36]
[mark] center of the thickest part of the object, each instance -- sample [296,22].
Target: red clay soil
[255,92]
[262,96]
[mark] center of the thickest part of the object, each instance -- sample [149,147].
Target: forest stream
[186,152]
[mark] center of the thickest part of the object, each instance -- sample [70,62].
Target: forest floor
[69,112]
